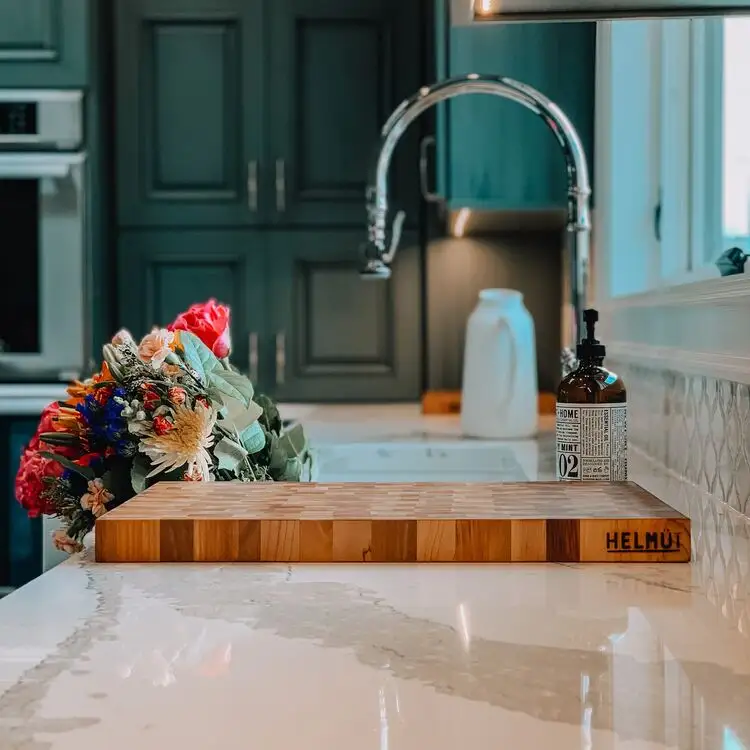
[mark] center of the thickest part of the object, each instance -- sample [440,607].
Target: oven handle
[38,166]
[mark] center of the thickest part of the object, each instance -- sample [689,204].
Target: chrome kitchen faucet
[380,253]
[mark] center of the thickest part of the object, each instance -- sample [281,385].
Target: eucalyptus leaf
[198,356]
[85,471]
[293,441]
[138,473]
[292,470]
[253,438]
[240,382]
[230,384]
[230,454]
[277,456]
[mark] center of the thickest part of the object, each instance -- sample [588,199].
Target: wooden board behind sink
[389,522]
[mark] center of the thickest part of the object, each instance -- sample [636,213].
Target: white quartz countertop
[399,657]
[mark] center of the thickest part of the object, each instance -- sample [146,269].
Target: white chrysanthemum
[186,444]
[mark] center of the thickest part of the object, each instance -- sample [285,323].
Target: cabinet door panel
[499,154]
[339,69]
[338,337]
[189,120]
[163,272]
[43,43]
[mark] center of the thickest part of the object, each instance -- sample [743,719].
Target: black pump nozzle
[590,347]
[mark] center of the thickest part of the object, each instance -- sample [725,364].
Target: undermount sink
[435,461]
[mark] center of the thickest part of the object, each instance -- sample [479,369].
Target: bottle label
[592,442]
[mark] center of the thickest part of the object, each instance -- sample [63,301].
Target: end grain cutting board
[388,522]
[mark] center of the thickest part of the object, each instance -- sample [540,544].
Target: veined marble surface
[399,657]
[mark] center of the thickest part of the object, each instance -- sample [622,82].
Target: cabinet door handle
[280,185]
[424,162]
[252,185]
[253,358]
[280,357]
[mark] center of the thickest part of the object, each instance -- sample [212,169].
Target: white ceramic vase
[499,398]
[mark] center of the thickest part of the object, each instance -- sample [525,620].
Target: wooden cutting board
[388,522]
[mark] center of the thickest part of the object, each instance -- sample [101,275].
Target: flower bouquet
[171,407]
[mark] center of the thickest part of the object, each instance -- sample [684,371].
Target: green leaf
[253,438]
[229,453]
[85,471]
[240,382]
[293,441]
[292,470]
[138,472]
[58,438]
[198,356]
[231,384]
[277,456]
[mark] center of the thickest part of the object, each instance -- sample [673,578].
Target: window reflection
[736,139]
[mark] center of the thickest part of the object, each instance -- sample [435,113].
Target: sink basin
[436,461]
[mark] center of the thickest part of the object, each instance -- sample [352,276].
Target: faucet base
[375,269]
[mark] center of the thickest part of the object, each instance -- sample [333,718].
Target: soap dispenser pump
[591,438]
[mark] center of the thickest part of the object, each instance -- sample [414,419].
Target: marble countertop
[393,657]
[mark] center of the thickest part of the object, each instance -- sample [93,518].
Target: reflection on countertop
[397,443]
[395,657]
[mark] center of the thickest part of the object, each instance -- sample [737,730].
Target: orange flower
[78,390]
[96,497]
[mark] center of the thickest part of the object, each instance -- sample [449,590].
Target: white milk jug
[499,399]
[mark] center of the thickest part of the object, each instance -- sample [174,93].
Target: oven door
[43,282]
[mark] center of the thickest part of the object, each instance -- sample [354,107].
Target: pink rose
[208,321]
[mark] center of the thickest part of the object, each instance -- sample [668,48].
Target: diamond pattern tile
[691,443]
[695,426]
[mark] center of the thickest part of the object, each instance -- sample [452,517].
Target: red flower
[88,458]
[208,321]
[162,425]
[151,398]
[48,423]
[30,484]
[103,394]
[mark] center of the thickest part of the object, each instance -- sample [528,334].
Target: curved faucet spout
[381,251]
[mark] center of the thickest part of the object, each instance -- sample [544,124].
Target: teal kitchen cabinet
[162,272]
[189,101]
[335,336]
[494,153]
[337,70]
[305,326]
[44,43]
[260,112]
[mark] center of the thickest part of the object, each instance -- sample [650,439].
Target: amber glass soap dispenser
[591,421]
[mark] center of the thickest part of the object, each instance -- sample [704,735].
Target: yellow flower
[96,497]
[155,347]
[187,444]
